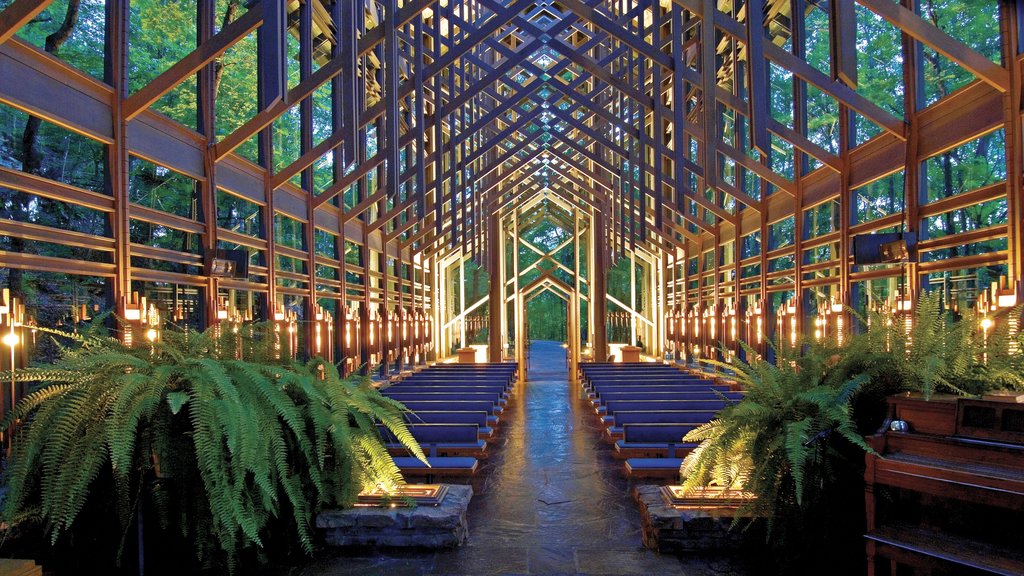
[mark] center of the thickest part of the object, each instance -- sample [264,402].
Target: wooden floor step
[965,552]
[19,567]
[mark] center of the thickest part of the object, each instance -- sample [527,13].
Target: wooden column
[117,153]
[1009,21]
[497,297]
[599,274]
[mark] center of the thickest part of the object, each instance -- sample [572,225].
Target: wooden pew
[609,396]
[620,419]
[479,418]
[660,468]
[440,396]
[440,440]
[439,467]
[697,386]
[642,440]
[614,406]
[493,410]
[446,389]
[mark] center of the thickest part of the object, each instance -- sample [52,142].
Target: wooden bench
[480,419]
[440,440]
[642,440]
[416,388]
[685,388]
[459,380]
[404,397]
[611,407]
[611,396]
[438,466]
[661,468]
[641,381]
[493,410]
[621,418]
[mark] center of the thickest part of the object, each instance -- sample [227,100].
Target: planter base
[441,526]
[698,529]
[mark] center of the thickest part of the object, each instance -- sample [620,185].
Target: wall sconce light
[323,331]
[1004,294]
[755,317]
[837,308]
[138,315]
[12,320]
[904,301]
[284,322]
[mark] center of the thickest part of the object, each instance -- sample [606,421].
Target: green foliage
[776,442]
[943,354]
[546,313]
[226,451]
[795,440]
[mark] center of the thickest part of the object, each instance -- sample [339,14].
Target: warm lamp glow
[986,323]
[11,339]
[151,334]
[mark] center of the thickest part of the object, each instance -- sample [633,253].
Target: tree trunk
[218,69]
[947,183]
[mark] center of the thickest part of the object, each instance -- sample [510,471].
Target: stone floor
[550,500]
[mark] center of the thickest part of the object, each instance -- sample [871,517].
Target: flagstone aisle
[551,500]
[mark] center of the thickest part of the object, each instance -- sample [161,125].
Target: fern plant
[940,353]
[222,449]
[775,442]
[793,443]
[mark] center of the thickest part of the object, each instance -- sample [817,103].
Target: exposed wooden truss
[618,108]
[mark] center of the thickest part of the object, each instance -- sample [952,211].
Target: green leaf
[176,400]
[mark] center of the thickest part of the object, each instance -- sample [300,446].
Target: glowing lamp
[904,302]
[986,324]
[11,339]
[151,334]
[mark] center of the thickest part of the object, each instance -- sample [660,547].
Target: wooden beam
[619,32]
[759,88]
[18,14]
[923,31]
[193,62]
[837,90]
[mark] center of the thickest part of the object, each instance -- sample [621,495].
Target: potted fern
[793,443]
[220,454]
[940,359]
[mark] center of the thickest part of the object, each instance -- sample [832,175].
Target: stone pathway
[551,500]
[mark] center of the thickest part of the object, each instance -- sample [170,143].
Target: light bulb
[11,339]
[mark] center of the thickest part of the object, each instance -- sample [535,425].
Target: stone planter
[669,529]
[441,526]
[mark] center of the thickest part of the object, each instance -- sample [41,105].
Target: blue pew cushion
[442,463]
[654,463]
[623,445]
